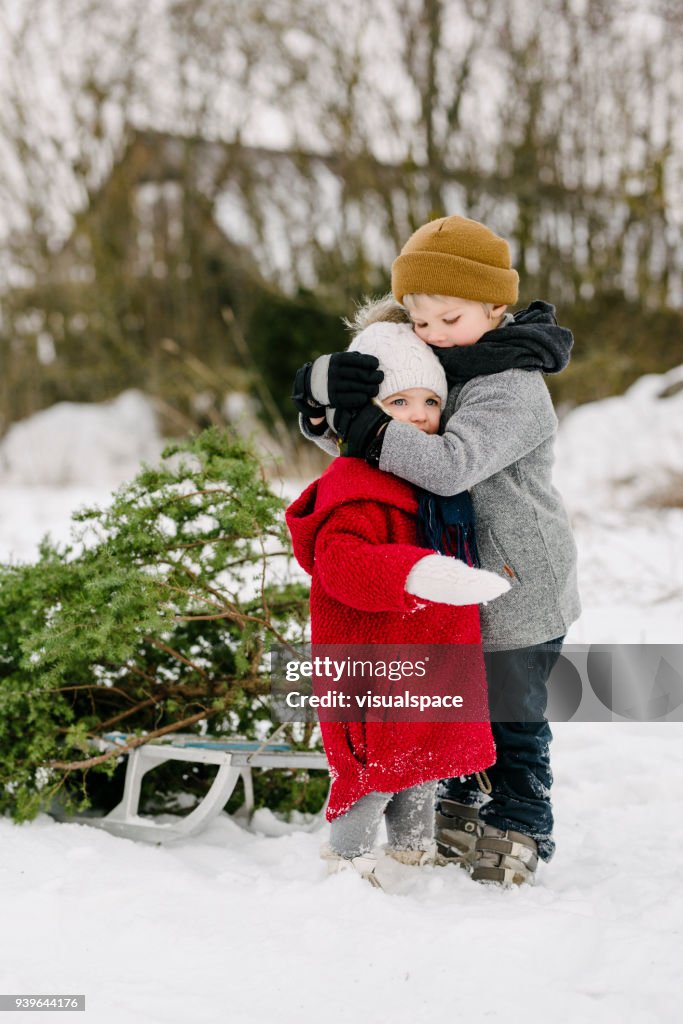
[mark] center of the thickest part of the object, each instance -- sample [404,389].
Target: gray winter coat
[497,443]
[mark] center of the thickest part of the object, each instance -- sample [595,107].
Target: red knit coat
[354,531]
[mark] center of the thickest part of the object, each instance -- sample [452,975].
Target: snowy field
[242,926]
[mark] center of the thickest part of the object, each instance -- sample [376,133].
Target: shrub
[155,619]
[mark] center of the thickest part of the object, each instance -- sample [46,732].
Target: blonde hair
[486,306]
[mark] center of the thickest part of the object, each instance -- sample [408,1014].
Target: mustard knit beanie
[457,257]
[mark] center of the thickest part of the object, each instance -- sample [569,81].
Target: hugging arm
[358,570]
[500,419]
[345,380]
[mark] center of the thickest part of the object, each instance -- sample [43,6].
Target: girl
[357,531]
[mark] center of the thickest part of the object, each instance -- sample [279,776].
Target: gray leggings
[409,819]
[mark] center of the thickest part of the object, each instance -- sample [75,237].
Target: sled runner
[235,757]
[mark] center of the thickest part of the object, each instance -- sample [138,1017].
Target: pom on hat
[405,361]
[457,257]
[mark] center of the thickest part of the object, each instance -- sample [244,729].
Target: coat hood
[345,481]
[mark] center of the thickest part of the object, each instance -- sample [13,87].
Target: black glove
[301,393]
[352,379]
[362,432]
[344,380]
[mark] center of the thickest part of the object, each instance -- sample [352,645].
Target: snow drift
[72,443]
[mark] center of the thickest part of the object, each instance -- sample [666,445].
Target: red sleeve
[357,567]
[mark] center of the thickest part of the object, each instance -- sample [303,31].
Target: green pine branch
[156,618]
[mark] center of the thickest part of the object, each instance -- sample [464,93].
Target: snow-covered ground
[242,926]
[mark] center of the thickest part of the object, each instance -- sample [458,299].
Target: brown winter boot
[458,827]
[504,857]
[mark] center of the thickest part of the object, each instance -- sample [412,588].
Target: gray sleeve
[326,441]
[499,419]
[319,372]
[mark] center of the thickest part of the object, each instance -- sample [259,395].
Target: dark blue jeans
[521,777]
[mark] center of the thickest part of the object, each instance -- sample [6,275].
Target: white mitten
[450,581]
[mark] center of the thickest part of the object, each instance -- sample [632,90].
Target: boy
[454,280]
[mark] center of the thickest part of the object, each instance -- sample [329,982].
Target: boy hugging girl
[486,473]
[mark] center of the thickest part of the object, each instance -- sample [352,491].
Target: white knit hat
[405,361]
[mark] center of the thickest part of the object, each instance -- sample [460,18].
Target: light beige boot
[429,856]
[364,865]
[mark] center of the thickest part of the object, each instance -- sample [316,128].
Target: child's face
[418,406]
[445,322]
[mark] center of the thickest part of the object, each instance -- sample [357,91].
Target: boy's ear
[497,311]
